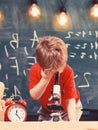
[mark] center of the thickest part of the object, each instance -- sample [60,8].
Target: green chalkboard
[19,36]
[17,54]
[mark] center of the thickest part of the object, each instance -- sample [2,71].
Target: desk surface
[49,125]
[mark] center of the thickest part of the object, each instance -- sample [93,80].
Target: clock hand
[17,114]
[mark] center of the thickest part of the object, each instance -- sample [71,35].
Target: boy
[52,56]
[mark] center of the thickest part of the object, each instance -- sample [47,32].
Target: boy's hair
[51,52]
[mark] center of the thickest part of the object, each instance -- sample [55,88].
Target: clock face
[16,113]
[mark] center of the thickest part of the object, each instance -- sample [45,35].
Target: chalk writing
[6,52]
[89,99]
[82,34]
[18,54]
[82,54]
[16,65]
[86,50]
[86,80]
[15,40]
[34,39]
[16,93]
[0,66]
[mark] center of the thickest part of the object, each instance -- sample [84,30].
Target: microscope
[56,106]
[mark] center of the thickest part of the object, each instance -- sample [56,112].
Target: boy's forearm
[39,89]
[71,109]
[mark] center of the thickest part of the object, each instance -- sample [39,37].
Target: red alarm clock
[15,112]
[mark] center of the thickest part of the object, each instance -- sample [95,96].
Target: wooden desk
[49,125]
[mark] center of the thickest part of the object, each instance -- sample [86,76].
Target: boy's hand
[47,73]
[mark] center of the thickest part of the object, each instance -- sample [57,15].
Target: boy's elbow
[33,95]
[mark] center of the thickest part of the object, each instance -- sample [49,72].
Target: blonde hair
[51,52]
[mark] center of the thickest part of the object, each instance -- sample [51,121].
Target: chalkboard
[18,39]
[17,54]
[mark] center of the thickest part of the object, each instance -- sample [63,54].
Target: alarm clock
[16,111]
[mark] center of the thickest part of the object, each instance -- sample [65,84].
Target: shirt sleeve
[34,76]
[70,89]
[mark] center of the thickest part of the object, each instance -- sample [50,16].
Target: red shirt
[67,85]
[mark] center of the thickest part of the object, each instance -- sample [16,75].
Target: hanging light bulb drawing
[94,9]
[1,17]
[61,20]
[34,10]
